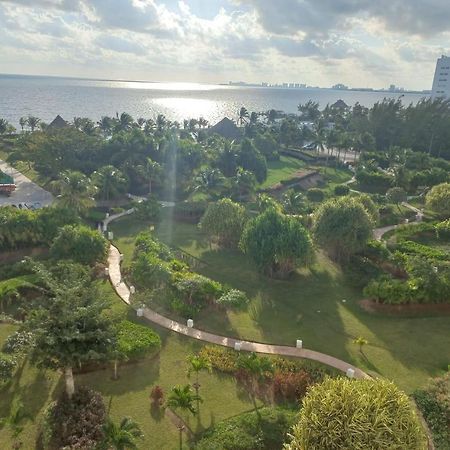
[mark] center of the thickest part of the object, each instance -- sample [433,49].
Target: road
[26,191]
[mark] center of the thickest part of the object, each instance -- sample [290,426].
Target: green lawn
[311,307]
[281,170]
[129,395]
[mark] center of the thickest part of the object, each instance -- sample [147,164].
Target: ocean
[45,97]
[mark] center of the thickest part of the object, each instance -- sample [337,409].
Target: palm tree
[244,182]
[257,367]
[209,181]
[182,397]
[150,126]
[319,136]
[75,191]
[271,116]
[197,364]
[141,122]
[110,181]
[253,118]
[105,124]
[22,122]
[122,436]
[124,122]
[150,171]
[243,115]
[202,122]
[293,202]
[161,122]
[33,122]
[3,126]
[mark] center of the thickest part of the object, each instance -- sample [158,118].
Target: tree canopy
[438,199]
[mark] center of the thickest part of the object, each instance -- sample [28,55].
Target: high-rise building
[441,82]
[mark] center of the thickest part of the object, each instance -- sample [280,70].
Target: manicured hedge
[136,341]
[414,248]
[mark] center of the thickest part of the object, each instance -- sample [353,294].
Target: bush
[221,359]
[360,270]
[148,210]
[80,244]
[438,199]
[18,342]
[377,251]
[233,299]
[340,414]
[443,229]
[390,291]
[341,189]
[414,248]
[250,432]
[157,395]
[7,366]
[136,341]
[315,195]
[197,290]
[370,206]
[434,404]
[76,423]
[291,386]
[373,181]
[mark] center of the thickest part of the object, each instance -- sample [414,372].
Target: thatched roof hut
[227,129]
[340,104]
[58,122]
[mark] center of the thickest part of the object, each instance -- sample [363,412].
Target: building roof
[340,104]
[58,122]
[227,129]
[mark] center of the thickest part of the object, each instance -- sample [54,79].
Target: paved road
[115,276]
[26,191]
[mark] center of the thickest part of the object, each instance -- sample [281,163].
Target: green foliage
[443,229]
[277,243]
[25,228]
[76,423]
[315,195]
[149,271]
[149,210]
[110,182]
[438,199]
[342,227]
[370,206]
[434,404]
[249,158]
[250,431]
[233,299]
[267,146]
[122,436]
[373,181]
[221,359]
[396,195]
[341,189]
[8,364]
[339,414]
[183,397]
[223,222]
[414,248]
[18,342]
[146,243]
[136,341]
[80,244]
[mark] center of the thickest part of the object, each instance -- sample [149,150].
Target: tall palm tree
[141,122]
[182,398]
[243,115]
[202,122]
[23,123]
[271,115]
[125,122]
[122,436]
[161,122]
[3,126]
[110,182]
[257,367]
[150,171]
[209,181]
[197,364]
[105,124]
[150,126]
[253,118]
[75,191]
[319,136]
[33,122]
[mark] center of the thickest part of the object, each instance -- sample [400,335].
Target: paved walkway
[114,260]
[26,191]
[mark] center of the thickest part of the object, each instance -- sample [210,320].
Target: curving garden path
[115,276]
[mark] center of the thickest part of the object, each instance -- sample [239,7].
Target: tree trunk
[70,384]
[116,363]
[150,186]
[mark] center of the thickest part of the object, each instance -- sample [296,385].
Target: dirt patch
[405,310]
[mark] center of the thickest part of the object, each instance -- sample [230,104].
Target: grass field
[129,396]
[281,170]
[316,305]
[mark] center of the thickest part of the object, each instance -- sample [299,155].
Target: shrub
[80,244]
[291,386]
[149,210]
[250,432]
[157,395]
[376,250]
[7,366]
[321,425]
[370,206]
[438,199]
[373,181]
[233,299]
[396,195]
[434,404]
[136,341]
[146,243]
[148,271]
[18,342]
[390,291]
[315,195]
[198,290]
[76,423]
[221,359]
[341,189]
[414,248]
[360,270]
[443,229]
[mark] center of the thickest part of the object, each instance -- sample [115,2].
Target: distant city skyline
[319,43]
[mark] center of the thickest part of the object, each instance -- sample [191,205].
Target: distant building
[58,122]
[340,104]
[441,82]
[227,129]
[340,86]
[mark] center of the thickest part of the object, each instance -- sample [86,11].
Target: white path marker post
[140,312]
[238,346]
[132,290]
[299,343]
[110,235]
[350,373]
[190,323]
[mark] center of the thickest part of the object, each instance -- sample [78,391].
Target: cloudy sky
[318,42]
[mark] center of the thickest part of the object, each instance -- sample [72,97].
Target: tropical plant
[151,171]
[197,364]
[121,436]
[33,122]
[360,342]
[75,191]
[438,199]
[396,195]
[110,182]
[277,243]
[223,222]
[394,426]
[243,115]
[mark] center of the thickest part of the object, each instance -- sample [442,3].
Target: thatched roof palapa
[58,122]
[227,129]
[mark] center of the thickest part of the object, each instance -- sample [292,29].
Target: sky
[361,43]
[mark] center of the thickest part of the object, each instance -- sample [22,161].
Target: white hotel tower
[441,82]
